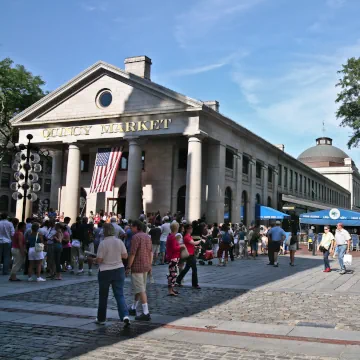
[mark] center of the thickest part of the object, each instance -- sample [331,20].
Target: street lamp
[26,167]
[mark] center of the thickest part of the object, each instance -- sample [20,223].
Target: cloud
[205,15]
[335,4]
[236,56]
[90,8]
[297,97]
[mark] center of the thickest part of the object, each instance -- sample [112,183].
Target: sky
[272,64]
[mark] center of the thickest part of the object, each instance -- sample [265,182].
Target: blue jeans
[116,279]
[342,250]
[5,254]
[326,259]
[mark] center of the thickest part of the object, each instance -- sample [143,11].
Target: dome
[324,154]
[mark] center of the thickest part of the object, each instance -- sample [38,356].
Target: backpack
[226,238]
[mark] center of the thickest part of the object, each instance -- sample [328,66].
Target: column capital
[200,135]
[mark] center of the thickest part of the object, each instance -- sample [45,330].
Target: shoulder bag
[39,247]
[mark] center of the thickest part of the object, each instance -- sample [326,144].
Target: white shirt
[165,231]
[6,231]
[118,230]
[110,250]
[50,234]
[342,237]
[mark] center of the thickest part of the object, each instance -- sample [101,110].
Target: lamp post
[26,167]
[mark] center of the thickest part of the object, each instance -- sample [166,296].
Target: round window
[105,99]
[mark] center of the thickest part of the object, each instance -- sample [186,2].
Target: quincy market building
[179,154]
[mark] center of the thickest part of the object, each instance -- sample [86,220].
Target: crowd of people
[119,248]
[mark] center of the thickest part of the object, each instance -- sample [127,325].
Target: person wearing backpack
[225,243]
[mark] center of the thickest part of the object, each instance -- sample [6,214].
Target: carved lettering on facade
[130,126]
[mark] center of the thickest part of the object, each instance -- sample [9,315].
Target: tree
[349,97]
[19,89]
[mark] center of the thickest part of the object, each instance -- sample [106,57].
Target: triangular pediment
[79,98]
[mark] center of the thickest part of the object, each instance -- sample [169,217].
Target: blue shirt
[129,236]
[276,233]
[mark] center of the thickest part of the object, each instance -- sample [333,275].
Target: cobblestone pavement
[339,311]
[24,342]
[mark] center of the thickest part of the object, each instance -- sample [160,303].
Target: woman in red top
[191,260]
[173,249]
[18,251]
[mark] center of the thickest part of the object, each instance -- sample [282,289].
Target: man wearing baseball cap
[342,240]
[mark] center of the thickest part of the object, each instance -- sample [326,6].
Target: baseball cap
[124,221]
[166,218]
[278,222]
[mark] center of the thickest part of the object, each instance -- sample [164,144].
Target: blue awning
[331,217]
[267,213]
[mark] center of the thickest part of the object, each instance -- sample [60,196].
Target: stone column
[275,189]
[238,197]
[265,183]
[133,188]
[216,183]
[174,169]
[193,179]
[56,179]
[252,198]
[72,191]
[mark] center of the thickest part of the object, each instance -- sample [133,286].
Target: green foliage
[19,89]
[349,98]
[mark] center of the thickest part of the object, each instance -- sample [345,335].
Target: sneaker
[100,322]
[143,317]
[327,270]
[342,272]
[132,312]
[30,279]
[126,322]
[50,276]
[152,281]
[80,272]
[40,279]
[276,265]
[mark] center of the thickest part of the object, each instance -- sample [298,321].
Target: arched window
[227,204]
[244,200]
[4,203]
[181,196]
[258,199]
[269,201]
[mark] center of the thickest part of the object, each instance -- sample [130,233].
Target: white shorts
[33,255]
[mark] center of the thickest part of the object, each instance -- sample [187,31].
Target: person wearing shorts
[277,235]
[140,260]
[35,257]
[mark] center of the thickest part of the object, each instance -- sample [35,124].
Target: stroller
[206,253]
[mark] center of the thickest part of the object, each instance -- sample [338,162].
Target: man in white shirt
[7,231]
[119,231]
[343,241]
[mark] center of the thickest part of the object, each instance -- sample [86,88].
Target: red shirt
[172,248]
[190,247]
[18,236]
[141,248]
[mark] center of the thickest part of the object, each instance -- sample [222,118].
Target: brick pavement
[266,307]
[25,342]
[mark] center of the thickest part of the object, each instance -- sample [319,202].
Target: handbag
[184,254]
[347,260]
[39,247]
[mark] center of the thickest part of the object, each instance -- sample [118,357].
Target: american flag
[106,166]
